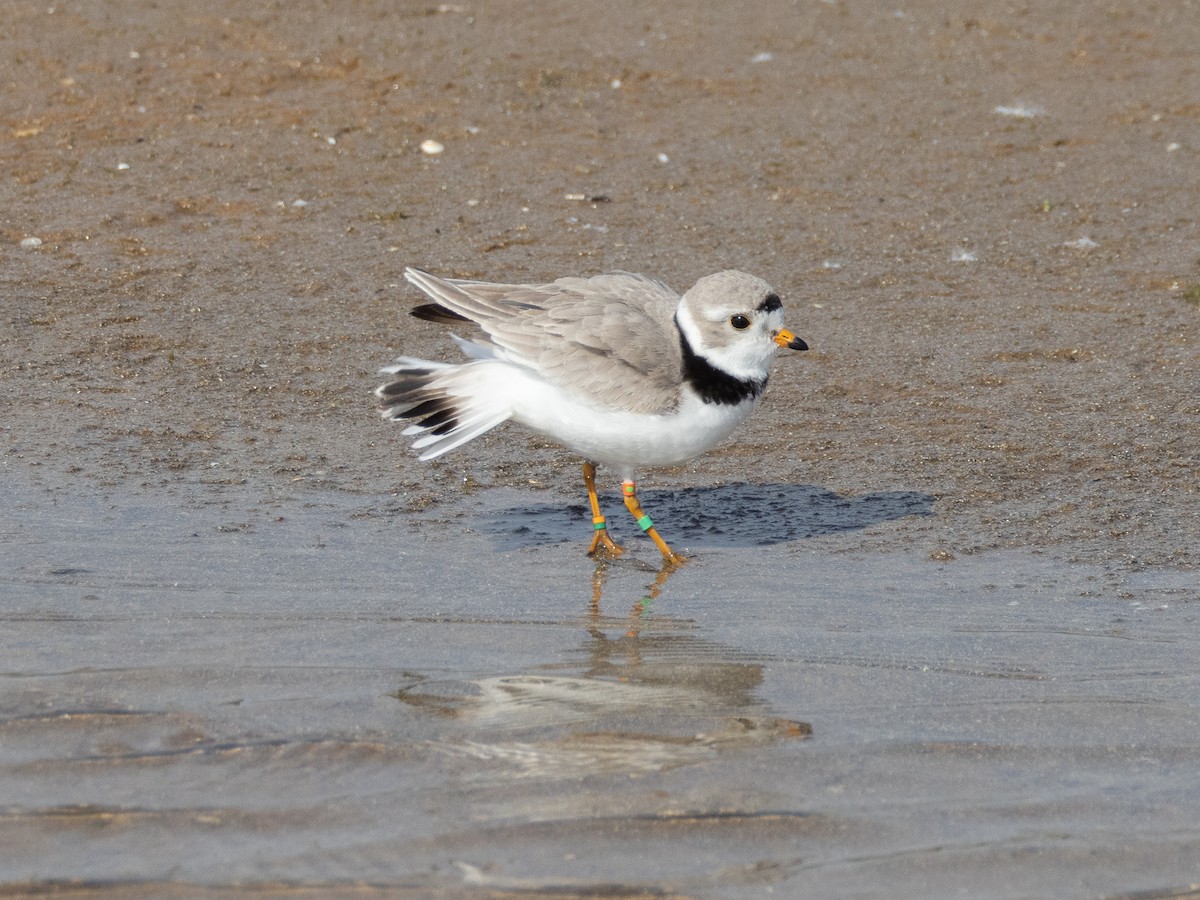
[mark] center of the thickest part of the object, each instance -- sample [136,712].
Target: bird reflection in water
[640,609]
[642,693]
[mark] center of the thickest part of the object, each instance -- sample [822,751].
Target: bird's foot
[671,559]
[604,547]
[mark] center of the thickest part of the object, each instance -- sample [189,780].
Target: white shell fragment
[31,242]
[431,147]
[1019,111]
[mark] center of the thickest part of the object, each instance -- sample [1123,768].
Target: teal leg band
[644,523]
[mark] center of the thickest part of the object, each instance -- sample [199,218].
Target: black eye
[739,322]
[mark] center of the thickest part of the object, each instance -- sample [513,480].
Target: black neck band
[712,384]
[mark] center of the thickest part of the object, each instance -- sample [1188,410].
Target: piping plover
[617,367]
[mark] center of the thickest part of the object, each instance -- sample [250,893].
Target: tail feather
[447,405]
[433,444]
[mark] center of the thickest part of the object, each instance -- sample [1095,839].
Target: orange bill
[785,338]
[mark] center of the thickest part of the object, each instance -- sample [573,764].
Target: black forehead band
[770,303]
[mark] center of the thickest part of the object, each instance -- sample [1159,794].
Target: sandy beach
[940,633]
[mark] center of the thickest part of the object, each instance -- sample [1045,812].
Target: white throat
[743,359]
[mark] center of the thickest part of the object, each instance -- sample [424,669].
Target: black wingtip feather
[431,312]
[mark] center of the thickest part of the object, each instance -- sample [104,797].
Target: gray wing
[611,338]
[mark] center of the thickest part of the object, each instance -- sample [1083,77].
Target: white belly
[626,440]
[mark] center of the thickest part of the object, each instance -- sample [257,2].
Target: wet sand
[940,633]
[308,691]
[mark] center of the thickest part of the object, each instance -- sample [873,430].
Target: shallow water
[237,690]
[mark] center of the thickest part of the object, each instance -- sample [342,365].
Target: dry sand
[184,319]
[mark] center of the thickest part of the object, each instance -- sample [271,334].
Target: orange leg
[643,520]
[600,536]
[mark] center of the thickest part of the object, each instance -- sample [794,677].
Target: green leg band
[644,523]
